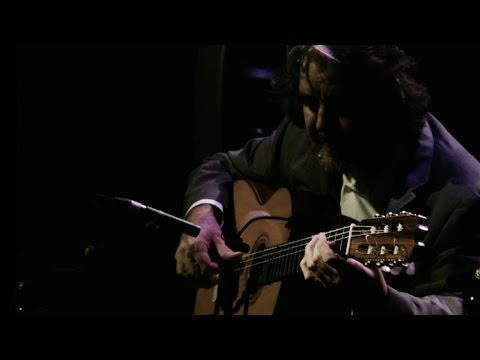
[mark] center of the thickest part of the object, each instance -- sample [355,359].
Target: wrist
[201,213]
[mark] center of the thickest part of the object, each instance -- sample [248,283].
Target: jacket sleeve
[258,160]
[454,257]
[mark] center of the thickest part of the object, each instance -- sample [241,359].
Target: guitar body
[252,201]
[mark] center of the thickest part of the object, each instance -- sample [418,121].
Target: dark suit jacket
[445,186]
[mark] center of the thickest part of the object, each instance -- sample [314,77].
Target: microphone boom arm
[185,226]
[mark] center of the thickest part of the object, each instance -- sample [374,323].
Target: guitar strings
[287,247]
[291,244]
[294,245]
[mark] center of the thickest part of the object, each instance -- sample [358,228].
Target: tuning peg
[389,214]
[385,268]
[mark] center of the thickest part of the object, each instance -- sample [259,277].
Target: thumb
[226,253]
[356,264]
[360,268]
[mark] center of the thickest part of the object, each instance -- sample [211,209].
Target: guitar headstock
[385,239]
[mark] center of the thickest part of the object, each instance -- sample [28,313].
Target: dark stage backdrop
[101,119]
[133,121]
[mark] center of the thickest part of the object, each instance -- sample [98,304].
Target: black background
[117,120]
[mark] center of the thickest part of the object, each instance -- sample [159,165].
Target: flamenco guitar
[252,286]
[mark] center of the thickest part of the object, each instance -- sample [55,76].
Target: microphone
[185,226]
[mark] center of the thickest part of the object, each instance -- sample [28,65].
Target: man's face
[326,121]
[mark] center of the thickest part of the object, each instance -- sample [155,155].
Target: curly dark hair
[379,80]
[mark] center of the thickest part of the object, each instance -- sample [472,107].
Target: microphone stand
[185,226]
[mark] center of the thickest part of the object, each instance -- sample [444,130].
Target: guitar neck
[277,262]
[373,242]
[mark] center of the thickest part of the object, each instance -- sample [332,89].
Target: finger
[311,244]
[307,264]
[356,265]
[332,275]
[224,251]
[184,256]
[311,270]
[186,265]
[325,271]
[309,248]
[305,270]
[323,278]
[202,276]
[201,260]
[180,255]
[373,272]
[323,250]
[180,268]
[317,250]
[316,253]
[312,276]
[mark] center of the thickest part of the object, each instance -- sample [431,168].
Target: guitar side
[251,201]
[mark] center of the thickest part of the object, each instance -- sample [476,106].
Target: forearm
[402,303]
[211,181]
[452,251]
[213,178]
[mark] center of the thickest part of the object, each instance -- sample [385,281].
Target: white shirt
[352,203]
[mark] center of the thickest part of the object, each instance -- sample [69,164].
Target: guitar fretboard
[277,262]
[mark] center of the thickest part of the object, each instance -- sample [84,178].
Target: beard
[327,159]
[339,152]
[353,155]
[377,161]
[357,153]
